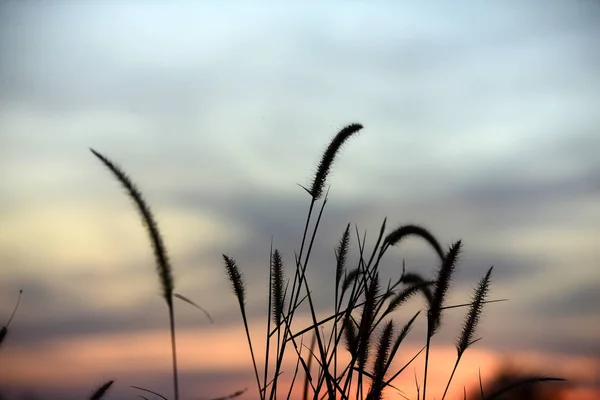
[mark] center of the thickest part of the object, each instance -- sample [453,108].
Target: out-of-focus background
[481,123]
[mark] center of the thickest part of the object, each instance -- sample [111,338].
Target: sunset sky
[481,124]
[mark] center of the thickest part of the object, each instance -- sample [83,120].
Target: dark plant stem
[252,354]
[295,374]
[299,268]
[294,295]
[307,376]
[298,278]
[451,376]
[264,390]
[174,351]
[328,380]
[429,326]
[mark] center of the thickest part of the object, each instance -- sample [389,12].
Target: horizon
[480,123]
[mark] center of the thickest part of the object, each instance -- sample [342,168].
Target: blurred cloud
[480,123]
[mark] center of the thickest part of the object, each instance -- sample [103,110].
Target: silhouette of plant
[360,322]
[510,384]
[101,391]
[370,336]
[163,265]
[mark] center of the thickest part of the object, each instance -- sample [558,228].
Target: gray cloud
[581,301]
[280,217]
[481,123]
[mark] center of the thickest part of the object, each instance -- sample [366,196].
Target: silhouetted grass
[163,265]
[360,323]
[101,391]
[511,384]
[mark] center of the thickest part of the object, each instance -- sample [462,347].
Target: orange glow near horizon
[60,363]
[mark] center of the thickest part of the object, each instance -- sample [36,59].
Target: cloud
[580,301]
[480,124]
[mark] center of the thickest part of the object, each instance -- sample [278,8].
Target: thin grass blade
[192,303]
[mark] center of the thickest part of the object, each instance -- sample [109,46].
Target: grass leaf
[187,300]
[150,391]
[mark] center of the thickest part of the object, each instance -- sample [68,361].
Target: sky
[480,123]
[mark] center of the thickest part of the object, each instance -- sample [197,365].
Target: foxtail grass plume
[416,279]
[237,281]
[400,338]
[277,295]
[341,255]
[403,296]
[381,359]
[400,233]
[442,284]
[468,330]
[101,391]
[328,157]
[350,334]
[434,314]
[367,319]
[163,266]
[160,252]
